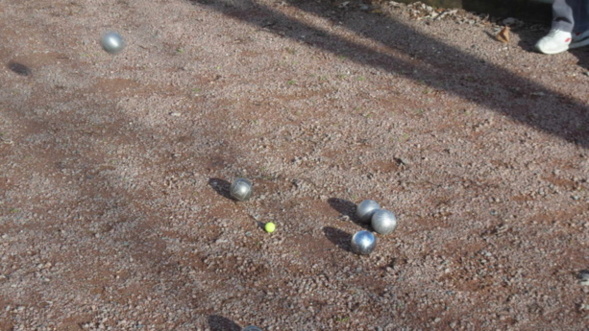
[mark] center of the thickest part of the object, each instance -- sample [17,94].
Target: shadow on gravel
[220,323]
[338,237]
[344,207]
[583,55]
[19,68]
[221,186]
[414,55]
[347,208]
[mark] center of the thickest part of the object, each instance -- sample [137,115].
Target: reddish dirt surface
[114,207]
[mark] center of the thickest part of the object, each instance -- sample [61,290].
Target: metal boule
[365,209]
[384,221]
[241,189]
[112,42]
[363,242]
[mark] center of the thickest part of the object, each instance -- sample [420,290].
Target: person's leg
[580,15]
[563,23]
[563,15]
[581,27]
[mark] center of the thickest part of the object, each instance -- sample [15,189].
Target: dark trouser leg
[581,15]
[562,14]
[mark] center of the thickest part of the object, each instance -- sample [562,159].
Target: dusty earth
[114,169]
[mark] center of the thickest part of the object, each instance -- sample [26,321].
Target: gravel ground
[114,176]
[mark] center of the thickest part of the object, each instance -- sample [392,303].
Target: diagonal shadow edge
[524,101]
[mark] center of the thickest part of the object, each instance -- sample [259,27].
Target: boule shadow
[19,68]
[220,323]
[348,209]
[221,186]
[338,237]
[342,206]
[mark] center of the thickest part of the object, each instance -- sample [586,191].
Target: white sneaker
[556,41]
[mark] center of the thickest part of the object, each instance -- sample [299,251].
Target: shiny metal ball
[365,209]
[241,189]
[384,221]
[363,242]
[112,42]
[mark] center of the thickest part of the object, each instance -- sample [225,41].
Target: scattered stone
[583,277]
[512,22]
[504,35]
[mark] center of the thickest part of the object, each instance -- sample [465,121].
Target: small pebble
[583,277]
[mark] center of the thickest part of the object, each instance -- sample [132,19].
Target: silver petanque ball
[384,221]
[363,242]
[365,209]
[241,189]
[112,42]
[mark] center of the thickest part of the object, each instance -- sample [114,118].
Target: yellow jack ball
[270,227]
